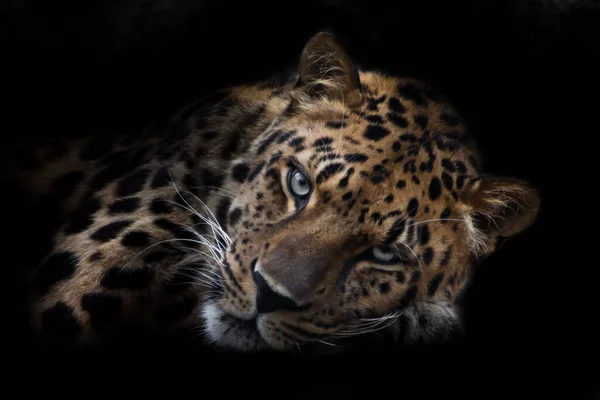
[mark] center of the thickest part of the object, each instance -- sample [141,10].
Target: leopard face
[361,199]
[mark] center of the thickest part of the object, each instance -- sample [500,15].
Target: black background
[521,73]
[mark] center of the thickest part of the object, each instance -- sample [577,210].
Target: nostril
[267,300]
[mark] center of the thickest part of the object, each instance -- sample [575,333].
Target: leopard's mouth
[227,331]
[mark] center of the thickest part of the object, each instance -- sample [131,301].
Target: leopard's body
[273,215]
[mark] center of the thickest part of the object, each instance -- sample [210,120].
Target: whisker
[217,253]
[211,294]
[214,220]
[208,243]
[214,253]
[433,220]
[385,317]
[414,254]
[211,281]
[195,278]
[198,273]
[298,347]
[177,240]
[207,258]
[327,343]
[188,260]
[203,284]
[213,223]
[209,265]
[207,222]
[372,325]
[151,246]
[193,231]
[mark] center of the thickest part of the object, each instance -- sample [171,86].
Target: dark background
[522,74]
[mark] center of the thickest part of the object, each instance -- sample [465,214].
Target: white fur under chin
[226,331]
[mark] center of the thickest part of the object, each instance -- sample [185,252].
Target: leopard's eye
[388,256]
[299,184]
[385,254]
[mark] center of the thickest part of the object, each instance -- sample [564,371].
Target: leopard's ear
[497,207]
[327,71]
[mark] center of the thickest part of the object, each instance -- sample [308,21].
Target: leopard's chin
[257,334]
[229,332]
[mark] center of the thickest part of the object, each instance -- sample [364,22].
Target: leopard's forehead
[395,110]
[405,137]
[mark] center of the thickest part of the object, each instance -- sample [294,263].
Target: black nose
[267,300]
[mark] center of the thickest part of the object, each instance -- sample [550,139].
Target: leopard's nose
[267,299]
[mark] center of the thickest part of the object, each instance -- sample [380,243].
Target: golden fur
[387,158]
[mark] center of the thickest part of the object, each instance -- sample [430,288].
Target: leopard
[327,204]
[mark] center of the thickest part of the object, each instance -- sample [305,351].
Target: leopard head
[363,198]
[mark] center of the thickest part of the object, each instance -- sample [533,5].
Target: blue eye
[299,184]
[383,254]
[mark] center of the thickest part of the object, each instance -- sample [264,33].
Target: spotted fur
[195,226]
